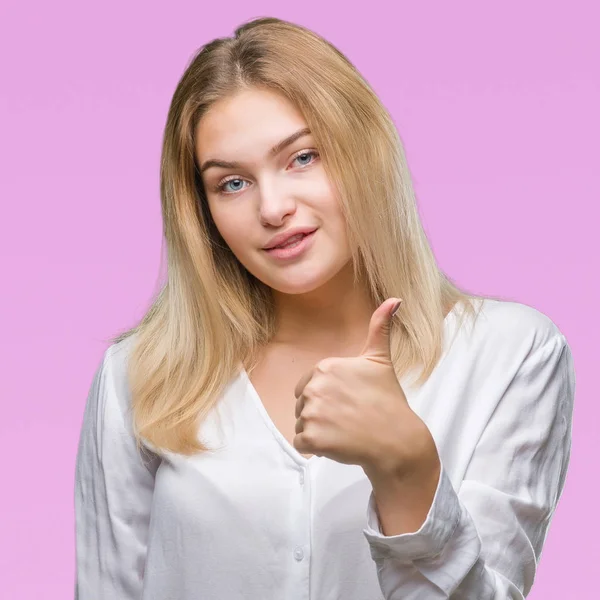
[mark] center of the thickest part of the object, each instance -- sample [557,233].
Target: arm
[485,541]
[113,492]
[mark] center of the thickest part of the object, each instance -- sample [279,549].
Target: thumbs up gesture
[354,411]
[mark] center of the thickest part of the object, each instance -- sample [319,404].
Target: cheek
[228,230]
[233,227]
[331,214]
[328,203]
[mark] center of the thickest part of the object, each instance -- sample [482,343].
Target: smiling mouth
[293,247]
[295,239]
[299,236]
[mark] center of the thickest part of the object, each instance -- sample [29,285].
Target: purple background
[498,110]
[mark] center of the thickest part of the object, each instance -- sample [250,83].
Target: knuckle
[308,437]
[312,390]
[327,365]
[310,410]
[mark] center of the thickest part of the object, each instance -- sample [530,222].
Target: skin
[341,401]
[270,195]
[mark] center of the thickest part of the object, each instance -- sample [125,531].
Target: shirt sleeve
[484,541]
[113,492]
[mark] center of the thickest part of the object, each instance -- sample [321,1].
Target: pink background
[498,110]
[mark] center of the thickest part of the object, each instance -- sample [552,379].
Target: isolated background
[498,110]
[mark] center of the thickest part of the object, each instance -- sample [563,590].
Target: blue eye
[221,187]
[309,153]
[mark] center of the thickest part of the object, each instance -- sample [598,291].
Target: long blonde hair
[212,315]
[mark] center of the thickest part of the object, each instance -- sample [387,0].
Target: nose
[276,203]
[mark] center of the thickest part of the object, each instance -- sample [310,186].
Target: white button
[298,553]
[301,477]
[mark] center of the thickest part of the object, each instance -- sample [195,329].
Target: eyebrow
[215,162]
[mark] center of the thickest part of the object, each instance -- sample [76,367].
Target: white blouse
[255,520]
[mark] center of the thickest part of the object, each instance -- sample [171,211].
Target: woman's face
[267,194]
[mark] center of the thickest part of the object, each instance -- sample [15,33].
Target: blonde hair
[212,315]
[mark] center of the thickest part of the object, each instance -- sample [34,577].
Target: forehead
[236,125]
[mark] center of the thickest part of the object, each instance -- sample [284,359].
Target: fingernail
[396,307]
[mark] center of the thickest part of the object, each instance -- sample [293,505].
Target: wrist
[392,467]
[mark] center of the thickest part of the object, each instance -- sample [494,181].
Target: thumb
[378,337]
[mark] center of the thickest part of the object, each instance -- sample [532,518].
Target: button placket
[300,547]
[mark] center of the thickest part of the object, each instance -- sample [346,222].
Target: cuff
[441,521]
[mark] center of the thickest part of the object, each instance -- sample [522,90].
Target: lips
[284,238]
[291,240]
[293,249]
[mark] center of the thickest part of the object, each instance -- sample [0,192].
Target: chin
[301,281]
[295,288]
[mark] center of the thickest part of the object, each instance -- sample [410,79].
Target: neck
[335,316]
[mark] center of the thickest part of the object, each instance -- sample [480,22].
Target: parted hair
[211,315]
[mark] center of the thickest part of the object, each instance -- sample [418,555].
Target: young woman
[269,430]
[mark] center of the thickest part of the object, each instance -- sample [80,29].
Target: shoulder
[107,420]
[513,351]
[117,354]
[508,324]
[504,337]
[111,386]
